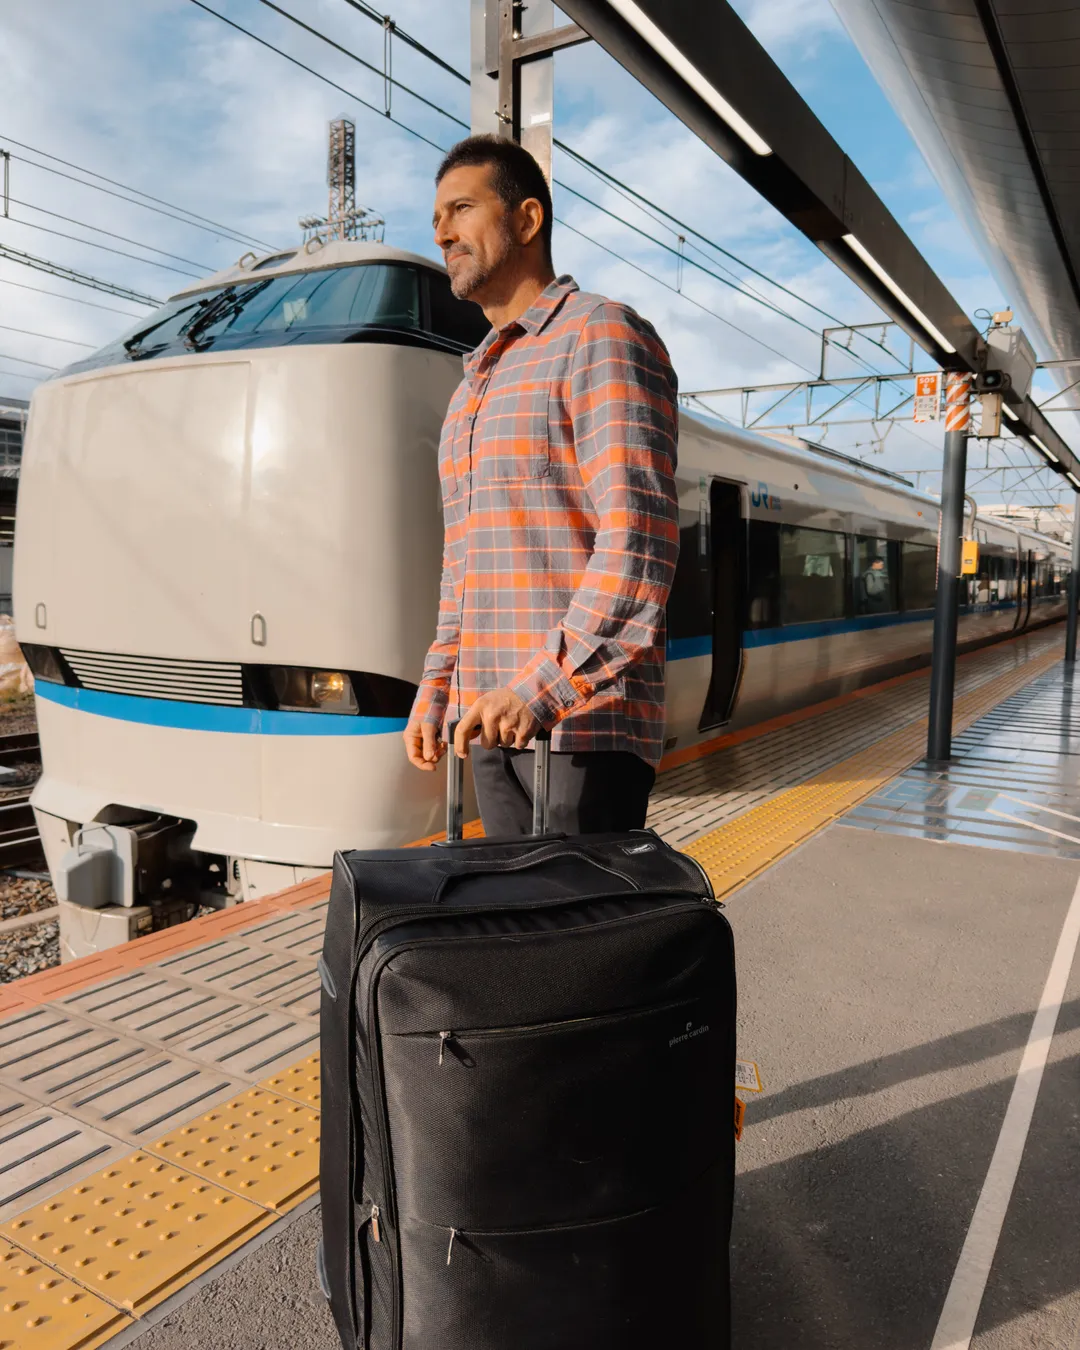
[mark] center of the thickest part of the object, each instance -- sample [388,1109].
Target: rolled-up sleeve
[623,404]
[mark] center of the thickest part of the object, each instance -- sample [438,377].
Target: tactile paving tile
[300,1081]
[11,1105]
[44,1150]
[48,1055]
[294,934]
[135,1232]
[744,847]
[219,963]
[148,1005]
[253,1044]
[160,1094]
[261,1146]
[41,1310]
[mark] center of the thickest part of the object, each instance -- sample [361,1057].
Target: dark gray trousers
[592,791]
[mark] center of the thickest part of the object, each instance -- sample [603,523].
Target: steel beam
[947,598]
[1074,589]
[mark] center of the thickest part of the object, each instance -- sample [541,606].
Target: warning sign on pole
[928,397]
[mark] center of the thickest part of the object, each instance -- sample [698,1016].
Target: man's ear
[530,220]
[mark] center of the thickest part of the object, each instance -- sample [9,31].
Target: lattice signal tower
[344,219]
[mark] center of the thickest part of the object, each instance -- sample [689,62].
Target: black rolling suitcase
[528,1067]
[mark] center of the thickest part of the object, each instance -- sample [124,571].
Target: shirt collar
[533,321]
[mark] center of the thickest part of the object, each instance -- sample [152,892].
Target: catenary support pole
[1074,586]
[943,667]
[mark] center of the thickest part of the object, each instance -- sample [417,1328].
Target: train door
[1029,569]
[727,530]
[1021,588]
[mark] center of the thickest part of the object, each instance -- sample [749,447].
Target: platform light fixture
[905,299]
[1013,417]
[1073,480]
[1040,445]
[666,49]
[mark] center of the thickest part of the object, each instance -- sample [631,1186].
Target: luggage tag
[747,1079]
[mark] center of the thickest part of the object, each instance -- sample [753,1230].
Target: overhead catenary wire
[49,337]
[427,140]
[123,238]
[79,278]
[22,361]
[442,149]
[74,299]
[187,217]
[105,248]
[738,286]
[612,181]
[319,76]
[458,121]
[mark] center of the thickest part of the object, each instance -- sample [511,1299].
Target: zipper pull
[444,1036]
[450,1248]
[375,1230]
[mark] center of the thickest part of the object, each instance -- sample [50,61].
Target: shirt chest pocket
[511,441]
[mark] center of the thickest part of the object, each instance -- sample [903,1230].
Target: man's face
[473,228]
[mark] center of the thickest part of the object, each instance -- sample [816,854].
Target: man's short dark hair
[515,175]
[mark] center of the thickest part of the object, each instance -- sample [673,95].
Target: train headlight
[299,690]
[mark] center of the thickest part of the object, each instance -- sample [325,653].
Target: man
[557,467]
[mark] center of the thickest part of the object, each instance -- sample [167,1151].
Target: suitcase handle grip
[455,786]
[491,867]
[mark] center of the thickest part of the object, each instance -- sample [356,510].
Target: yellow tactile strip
[41,1310]
[263,1147]
[742,848]
[76,1268]
[128,1237]
[299,1081]
[135,1232]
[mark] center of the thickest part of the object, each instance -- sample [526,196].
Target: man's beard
[469,279]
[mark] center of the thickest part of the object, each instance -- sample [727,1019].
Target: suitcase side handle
[455,786]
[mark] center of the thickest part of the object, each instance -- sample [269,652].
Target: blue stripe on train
[683,649]
[162,712]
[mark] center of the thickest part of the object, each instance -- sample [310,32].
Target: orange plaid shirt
[557,465]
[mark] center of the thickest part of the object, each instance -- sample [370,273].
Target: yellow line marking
[263,1147]
[136,1232]
[744,847]
[40,1310]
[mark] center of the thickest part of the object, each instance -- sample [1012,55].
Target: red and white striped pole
[946,605]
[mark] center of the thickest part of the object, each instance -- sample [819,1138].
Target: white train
[226,577]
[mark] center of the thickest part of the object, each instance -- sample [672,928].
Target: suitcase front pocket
[523,1126]
[633,1282]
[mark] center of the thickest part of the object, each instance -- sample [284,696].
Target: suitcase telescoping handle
[455,786]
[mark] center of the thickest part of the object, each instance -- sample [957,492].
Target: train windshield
[388,302]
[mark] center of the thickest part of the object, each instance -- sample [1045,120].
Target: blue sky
[161,96]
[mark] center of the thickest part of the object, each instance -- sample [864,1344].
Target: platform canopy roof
[703,62]
[990,89]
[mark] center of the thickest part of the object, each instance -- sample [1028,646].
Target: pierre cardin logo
[691,1033]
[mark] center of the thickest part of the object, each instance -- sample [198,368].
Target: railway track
[20,845]
[20,747]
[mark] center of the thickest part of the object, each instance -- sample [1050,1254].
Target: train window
[918,575]
[763,573]
[813,574]
[339,304]
[876,589]
[336,298]
[460,321]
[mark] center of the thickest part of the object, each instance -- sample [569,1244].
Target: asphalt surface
[887,989]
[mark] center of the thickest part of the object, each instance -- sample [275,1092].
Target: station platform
[895,925]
